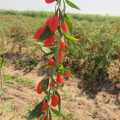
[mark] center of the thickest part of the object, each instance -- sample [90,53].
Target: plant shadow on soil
[106,86]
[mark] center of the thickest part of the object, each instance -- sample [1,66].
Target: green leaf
[52,51]
[73,42]
[10,78]
[35,111]
[9,82]
[46,34]
[54,48]
[46,54]
[69,24]
[62,15]
[59,114]
[39,43]
[66,70]
[72,4]
[9,102]
[50,115]
[44,88]
[48,68]
[2,62]
[70,49]
[1,92]
[70,37]
[41,118]
[46,49]
[44,85]
[56,112]
[59,104]
[58,2]
[64,8]
[12,117]
[6,109]
[61,70]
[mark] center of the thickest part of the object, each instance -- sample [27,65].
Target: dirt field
[80,104]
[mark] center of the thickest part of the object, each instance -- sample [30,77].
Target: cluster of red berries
[53,22]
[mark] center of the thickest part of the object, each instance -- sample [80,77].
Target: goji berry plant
[98,49]
[52,37]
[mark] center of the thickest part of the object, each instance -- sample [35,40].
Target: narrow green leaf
[70,37]
[56,112]
[66,70]
[58,2]
[44,88]
[50,50]
[46,49]
[54,48]
[70,49]
[6,109]
[59,114]
[41,118]
[1,92]
[72,4]
[46,54]
[46,34]
[35,111]
[50,115]
[48,68]
[9,102]
[9,82]
[59,104]
[69,24]
[44,85]
[12,117]
[62,15]
[2,62]
[39,43]
[64,8]
[73,42]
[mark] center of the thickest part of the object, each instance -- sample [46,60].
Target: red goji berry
[49,1]
[64,27]
[38,116]
[55,100]
[44,106]
[51,61]
[49,41]
[45,118]
[62,46]
[67,74]
[48,21]
[54,22]
[39,91]
[39,32]
[60,55]
[59,79]
[53,83]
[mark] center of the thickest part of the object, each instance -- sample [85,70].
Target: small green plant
[69,98]
[2,62]
[6,108]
